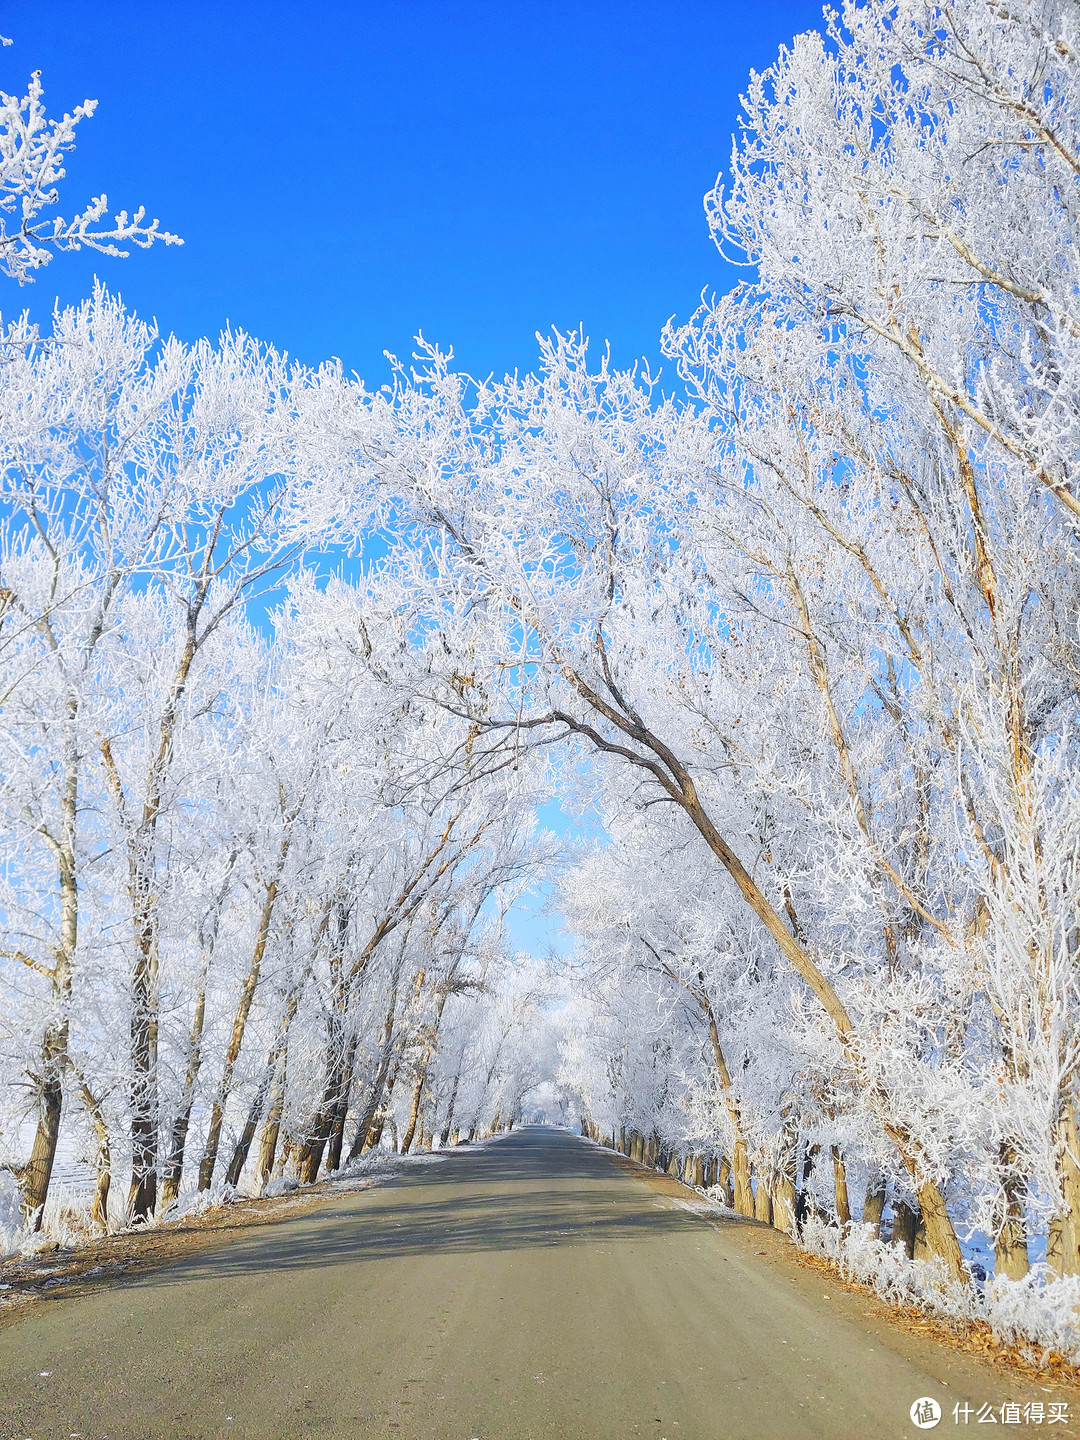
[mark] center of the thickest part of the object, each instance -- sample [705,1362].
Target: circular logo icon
[925,1413]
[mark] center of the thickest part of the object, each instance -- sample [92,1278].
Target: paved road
[536,1287]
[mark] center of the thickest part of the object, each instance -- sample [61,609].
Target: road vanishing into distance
[537,1286]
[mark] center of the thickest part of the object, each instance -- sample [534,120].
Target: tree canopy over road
[804,635]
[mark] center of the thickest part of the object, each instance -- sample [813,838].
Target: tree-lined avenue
[534,1287]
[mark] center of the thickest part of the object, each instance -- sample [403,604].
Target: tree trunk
[272,1126]
[384,1110]
[743,1194]
[940,1235]
[341,1108]
[243,1010]
[382,1070]
[1063,1245]
[874,1204]
[762,1201]
[414,1111]
[903,1230]
[141,841]
[784,1195]
[174,1167]
[38,1171]
[312,1151]
[362,1140]
[843,1205]
[1010,1246]
[37,1175]
[142,1193]
[444,1134]
[247,1134]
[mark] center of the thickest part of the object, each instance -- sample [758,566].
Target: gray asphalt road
[537,1287]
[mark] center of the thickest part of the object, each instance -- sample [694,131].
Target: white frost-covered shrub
[11,1227]
[1042,1310]
[861,1256]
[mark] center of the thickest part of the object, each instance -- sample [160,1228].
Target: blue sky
[345,174]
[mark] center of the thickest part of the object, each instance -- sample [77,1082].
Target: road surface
[534,1287]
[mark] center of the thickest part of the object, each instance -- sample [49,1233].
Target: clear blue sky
[346,173]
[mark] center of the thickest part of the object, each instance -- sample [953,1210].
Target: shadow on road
[536,1188]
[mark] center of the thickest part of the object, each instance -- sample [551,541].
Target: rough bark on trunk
[38,1171]
[384,1110]
[723,1177]
[365,1126]
[1063,1242]
[366,1122]
[312,1151]
[141,844]
[174,1166]
[1010,1246]
[940,1235]
[271,1130]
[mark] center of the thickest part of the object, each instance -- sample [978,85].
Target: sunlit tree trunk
[874,1203]
[270,1086]
[1010,1245]
[174,1166]
[783,1185]
[1063,1245]
[762,1199]
[243,1010]
[843,1205]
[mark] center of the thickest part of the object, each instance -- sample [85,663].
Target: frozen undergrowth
[71,1228]
[1039,1314]
[67,1221]
[10,1218]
